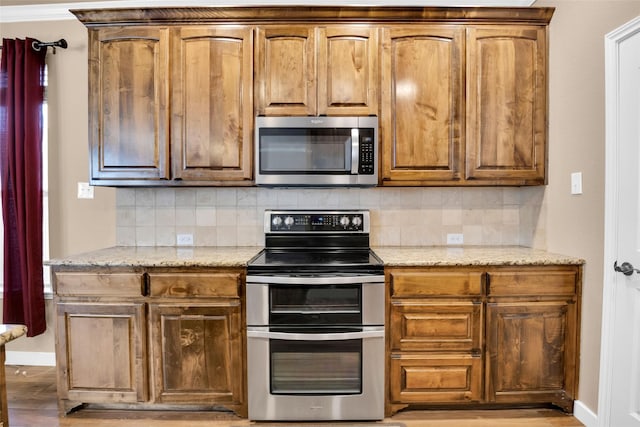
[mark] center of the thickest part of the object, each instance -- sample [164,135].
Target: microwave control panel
[366,162]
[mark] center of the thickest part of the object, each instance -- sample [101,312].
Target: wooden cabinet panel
[531,352]
[286,70]
[197,353]
[435,378]
[195,284]
[101,353]
[420,283]
[128,103]
[98,284]
[212,103]
[436,325]
[506,103]
[347,71]
[422,103]
[536,282]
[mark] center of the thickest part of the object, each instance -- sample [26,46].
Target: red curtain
[21,97]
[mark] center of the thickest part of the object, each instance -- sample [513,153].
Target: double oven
[315,319]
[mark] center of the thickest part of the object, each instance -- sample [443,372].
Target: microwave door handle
[355,150]
[339,336]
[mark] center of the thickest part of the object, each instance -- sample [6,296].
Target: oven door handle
[378,332]
[314,280]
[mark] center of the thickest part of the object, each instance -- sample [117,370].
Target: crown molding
[60,11]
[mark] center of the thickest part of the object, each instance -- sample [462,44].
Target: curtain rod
[37,45]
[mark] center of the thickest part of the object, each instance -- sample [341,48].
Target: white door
[619,401]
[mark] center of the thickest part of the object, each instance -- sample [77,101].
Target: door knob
[625,268]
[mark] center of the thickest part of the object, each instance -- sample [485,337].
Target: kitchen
[546,217]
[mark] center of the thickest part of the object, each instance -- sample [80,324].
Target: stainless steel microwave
[316,151]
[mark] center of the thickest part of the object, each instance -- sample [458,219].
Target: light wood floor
[31,393]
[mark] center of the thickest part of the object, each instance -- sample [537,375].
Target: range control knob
[288,221]
[276,221]
[344,221]
[356,221]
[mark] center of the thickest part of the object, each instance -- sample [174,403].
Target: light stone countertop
[470,256]
[162,256]
[222,256]
[11,332]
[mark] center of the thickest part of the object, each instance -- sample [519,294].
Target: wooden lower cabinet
[532,337]
[101,353]
[496,335]
[150,338]
[196,353]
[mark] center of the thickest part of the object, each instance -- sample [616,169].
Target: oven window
[315,304]
[316,367]
[305,150]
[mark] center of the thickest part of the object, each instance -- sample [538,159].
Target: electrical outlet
[184,239]
[85,191]
[455,238]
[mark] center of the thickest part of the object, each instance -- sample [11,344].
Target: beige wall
[575,223]
[571,225]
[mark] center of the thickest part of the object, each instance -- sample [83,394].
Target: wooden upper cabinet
[422,103]
[212,108]
[506,104]
[128,103]
[306,70]
[347,71]
[285,75]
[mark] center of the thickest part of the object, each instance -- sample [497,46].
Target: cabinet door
[212,108]
[286,70]
[197,353]
[101,352]
[128,111]
[422,104]
[531,352]
[347,71]
[506,104]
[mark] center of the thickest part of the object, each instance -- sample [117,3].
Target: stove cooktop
[307,241]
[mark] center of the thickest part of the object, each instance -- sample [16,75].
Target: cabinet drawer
[421,284]
[437,378]
[98,284]
[226,285]
[541,282]
[428,325]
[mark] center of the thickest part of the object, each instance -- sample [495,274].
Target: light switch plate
[576,183]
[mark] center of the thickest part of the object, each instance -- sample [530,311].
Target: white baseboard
[30,358]
[584,414]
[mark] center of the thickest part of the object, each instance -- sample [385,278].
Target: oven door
[316,300]
[318,375]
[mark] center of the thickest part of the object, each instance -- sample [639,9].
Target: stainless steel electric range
[315,319]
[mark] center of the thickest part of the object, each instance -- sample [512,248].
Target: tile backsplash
[399,216]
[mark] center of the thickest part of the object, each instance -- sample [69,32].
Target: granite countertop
[222,256]
[470,256]
[161,256]
[11,332]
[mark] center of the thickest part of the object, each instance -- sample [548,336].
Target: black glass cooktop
[292,261]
